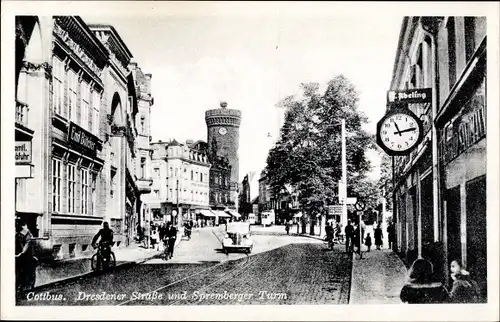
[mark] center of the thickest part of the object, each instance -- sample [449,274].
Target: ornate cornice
[36,67]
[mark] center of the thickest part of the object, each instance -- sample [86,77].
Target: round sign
[359,205]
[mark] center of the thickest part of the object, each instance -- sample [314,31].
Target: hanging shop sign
[417,95]
[82,140]
[23,152]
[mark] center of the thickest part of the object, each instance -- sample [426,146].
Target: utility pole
[344,176]
[179,215]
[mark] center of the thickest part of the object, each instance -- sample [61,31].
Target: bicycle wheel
[112,260]
[93,263]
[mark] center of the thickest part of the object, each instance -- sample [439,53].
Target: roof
[174,143]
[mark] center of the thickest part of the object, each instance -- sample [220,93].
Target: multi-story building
[144,152]
[440,188]
[180,187]
[249,191]
[223,137]
[71,128]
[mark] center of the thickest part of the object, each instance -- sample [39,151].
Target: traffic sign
[360,205]
[351,200]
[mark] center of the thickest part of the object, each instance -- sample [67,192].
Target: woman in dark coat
[378,237]
[464,290]
[419,288]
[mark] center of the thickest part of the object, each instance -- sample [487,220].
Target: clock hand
[407,130]
[397,128]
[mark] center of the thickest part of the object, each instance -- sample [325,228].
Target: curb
[307,236]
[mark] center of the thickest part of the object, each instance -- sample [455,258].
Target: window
[157,172]
[94,195]
[470,37]
[72,90]
[96,104]
[56,185]
[143,168]
[58,74]
[143,127]
[157,193]
[85,105]
[84,173]
[201,177]
[171,172]
[192,175]
[176,172]
[452,59]
[71,172]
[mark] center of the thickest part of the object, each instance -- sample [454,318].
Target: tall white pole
[344,176]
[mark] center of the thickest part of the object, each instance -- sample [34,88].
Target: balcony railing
[22,110]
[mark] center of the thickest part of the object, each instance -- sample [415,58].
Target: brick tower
[223,126]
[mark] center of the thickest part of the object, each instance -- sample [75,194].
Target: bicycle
[104,259]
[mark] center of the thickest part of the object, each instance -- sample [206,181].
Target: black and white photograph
[251,156]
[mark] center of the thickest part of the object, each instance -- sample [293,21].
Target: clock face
[222,131]
[400,132]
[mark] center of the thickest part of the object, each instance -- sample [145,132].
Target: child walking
[368,241]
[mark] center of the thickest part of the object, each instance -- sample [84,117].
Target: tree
[386,178]
[308,152]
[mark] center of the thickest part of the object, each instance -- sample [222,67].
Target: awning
[220,213]
[206,213]
[234,214]
[297,215]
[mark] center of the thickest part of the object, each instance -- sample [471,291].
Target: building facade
[440,188]
[72,130]
[223,137]
[180,187]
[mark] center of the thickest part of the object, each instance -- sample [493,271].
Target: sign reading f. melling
[418,95]
[23,152]
[83,140]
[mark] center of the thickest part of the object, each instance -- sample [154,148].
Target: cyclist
[106,240]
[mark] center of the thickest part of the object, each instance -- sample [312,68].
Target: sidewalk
[72,269]
[377,278]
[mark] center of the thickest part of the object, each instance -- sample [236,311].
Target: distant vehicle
[238,237]
[252,219]
[268,218]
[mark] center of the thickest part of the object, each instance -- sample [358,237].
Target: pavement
[377,278]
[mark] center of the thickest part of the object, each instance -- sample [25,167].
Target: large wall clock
[222,131]
[399,131]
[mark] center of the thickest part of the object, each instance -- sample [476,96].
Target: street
[281,270]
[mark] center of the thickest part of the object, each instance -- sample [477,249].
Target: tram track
[224,276]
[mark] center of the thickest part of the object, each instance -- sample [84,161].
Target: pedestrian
[419,287]
[464,289]
[378,237]
[154,238]
[356,242]
[349,231]
[368,241]
[287,227]
[391,234]
[25,262]
[172,237]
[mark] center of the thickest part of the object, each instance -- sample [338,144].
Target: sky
[252,62]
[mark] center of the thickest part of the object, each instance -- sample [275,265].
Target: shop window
[71,185]
[58,75]
[72,250]
[84,174]
[56,185]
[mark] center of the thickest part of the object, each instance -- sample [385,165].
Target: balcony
[144,185]
[22,130]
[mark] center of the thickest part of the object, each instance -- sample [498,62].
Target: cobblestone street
[281,270]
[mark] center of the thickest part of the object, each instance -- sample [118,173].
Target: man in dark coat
[349,231]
